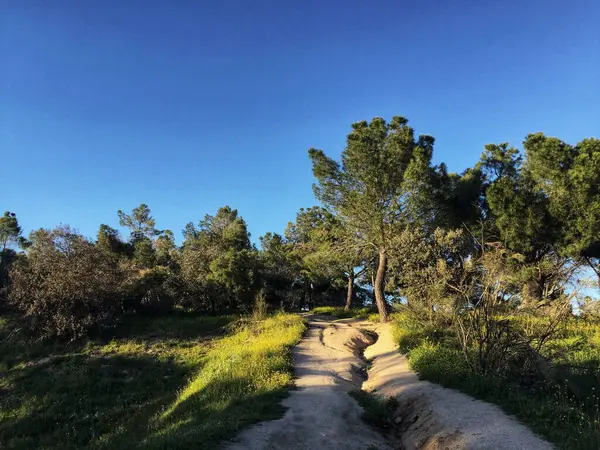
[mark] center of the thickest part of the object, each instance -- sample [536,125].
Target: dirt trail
[321,415]
[329,362]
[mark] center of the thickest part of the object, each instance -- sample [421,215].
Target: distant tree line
[511,232]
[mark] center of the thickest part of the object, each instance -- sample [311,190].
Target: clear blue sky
[188,106]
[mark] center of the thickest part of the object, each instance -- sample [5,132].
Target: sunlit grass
[179,381]
[339,312]
[244,377]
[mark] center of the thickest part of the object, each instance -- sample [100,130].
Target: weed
[377,412]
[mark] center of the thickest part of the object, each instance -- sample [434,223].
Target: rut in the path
[329,363]
[321,414]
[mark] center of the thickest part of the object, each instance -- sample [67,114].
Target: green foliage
[144,256]
[140,222]
[569,176]
[155,291]
[10,230]
[442,364]
[518,209]
[217,258]
[280,269]
[259,311]
[10,236]
[324,254]
[167,254]
[377,412]
[342,313]
[422,265]
[381,185]
[522,216]
[457,199]
[66,286]
[500,161]
[219,233]
[569,420]
[235,272]
[109,241]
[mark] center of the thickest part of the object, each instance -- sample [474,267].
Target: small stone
[397,420]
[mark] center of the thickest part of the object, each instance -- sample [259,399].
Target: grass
[377,412]
[571,422]
[338,312]
[180,381]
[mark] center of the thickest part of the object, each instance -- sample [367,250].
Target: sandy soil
[329,362]
[432,417]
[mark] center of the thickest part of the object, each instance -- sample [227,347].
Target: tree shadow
[75,401]
[60,394]
[214,414]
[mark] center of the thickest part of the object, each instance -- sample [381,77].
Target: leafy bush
[67,286]
[438,362]
[155,291]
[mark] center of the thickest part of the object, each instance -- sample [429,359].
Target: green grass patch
[569,422]
[377,412]
[243,381]
[178,381]
[339,312]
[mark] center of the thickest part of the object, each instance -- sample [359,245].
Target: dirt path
[321,415]
[329,362]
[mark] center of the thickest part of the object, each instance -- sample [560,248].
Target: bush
[410,333]
[66,286]
[439,364]
[154,292]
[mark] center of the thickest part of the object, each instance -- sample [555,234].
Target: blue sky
[189,106]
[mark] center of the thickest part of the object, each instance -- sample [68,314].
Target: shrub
[438,363]
[155,291]
[260,306]
[66,286]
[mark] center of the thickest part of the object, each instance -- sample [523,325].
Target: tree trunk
[350,291]
[378,287]
[374,300]
[595,268]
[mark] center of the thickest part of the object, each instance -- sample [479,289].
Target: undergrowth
[569,420]
[339,312]
[377,412]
